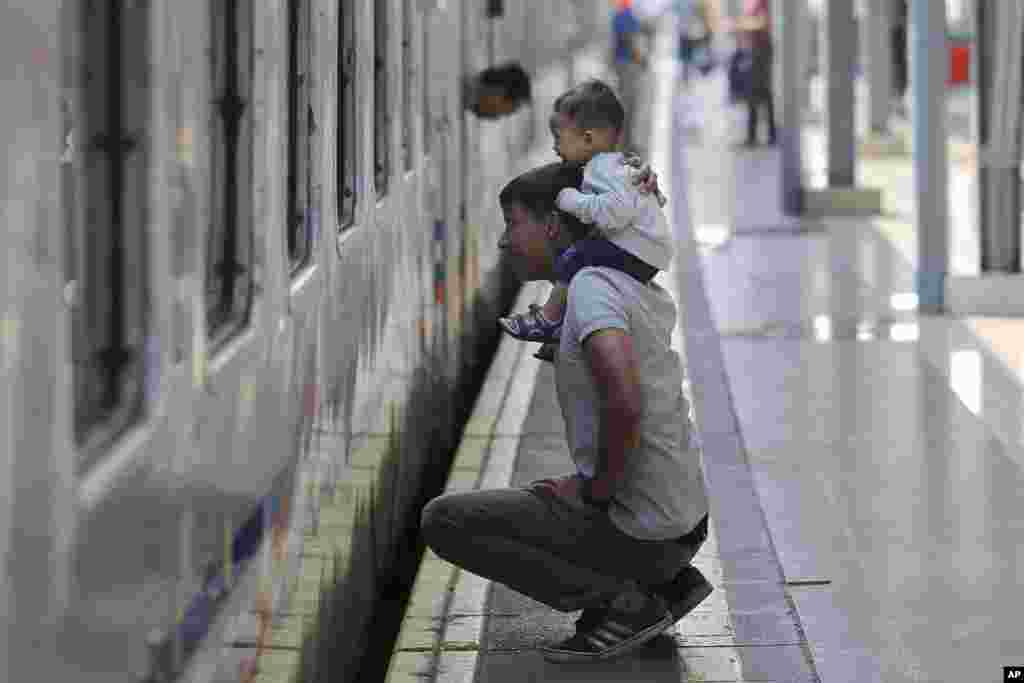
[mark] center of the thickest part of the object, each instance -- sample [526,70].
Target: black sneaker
[618,631]
[683,593]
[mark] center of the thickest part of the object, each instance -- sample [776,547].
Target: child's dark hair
[510,78]
[592,104]
[537,189]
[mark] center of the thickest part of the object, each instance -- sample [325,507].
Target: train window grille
[105,175]
[346,118]
[408,88]
[425,79]
[229,243]
[381,108]
[301,223]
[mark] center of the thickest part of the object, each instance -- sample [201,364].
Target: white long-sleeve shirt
[627,218]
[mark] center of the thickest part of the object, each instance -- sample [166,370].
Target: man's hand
[646,180]
[566,487]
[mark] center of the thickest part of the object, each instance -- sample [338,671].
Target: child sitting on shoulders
[630,232]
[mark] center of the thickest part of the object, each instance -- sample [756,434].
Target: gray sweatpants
[567,555]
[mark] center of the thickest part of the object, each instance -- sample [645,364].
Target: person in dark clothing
[898,35]
[754,35]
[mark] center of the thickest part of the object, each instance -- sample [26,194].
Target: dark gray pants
[565,554]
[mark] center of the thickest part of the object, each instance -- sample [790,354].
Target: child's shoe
[532,326]
[546,352]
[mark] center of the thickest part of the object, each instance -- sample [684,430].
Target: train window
[408,90]
[424,79]
[381,109]
[229,240]
[300,221]
[105,160]
[346,117]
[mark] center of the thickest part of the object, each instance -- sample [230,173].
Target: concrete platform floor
[864,462]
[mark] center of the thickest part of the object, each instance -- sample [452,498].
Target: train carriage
[237,232]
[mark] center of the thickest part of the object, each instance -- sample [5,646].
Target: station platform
[863,461]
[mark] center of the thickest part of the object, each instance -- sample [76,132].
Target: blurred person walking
[898,36]
[629,54]
[696,21]
[754,40]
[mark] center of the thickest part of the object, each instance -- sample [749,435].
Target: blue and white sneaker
[532,326]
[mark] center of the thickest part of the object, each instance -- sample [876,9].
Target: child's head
[586,120]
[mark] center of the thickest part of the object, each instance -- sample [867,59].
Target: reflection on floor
[886,446]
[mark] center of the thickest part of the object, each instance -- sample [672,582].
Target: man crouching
[616,537]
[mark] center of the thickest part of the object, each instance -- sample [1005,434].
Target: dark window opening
[425,79]
[381,108]
[105,170]
[409,70]
[301,218]
[229,240]
[346,118]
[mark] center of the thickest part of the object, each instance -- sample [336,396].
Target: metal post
[879,61]
[998,93]
[841,54]
[928,67]
[787,27]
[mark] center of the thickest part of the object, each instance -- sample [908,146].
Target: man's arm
[612,362]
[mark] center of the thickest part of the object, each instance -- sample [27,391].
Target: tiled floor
[886,447]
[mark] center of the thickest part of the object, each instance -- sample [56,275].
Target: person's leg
[899,59]
[507,535]
[752,106]
[566,556]
[554,307]
[769,108]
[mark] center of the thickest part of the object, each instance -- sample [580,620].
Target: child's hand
[646,180]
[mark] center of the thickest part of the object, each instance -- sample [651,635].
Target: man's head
[535,230]
[498,91]
[587,119]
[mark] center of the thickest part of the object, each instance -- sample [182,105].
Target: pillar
[791,77]
[840,56]
[928,70]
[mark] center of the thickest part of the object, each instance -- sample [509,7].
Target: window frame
[300,219]
[409,67]
[232,79]
[108,263]
[382,117]
[347,196]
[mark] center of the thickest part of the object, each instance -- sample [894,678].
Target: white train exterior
[232,227]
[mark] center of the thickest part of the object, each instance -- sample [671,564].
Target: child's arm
[614,204]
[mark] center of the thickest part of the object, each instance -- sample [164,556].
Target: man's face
[527,241]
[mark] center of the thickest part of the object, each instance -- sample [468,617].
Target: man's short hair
[509,78]
[537,189]
[592,104]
